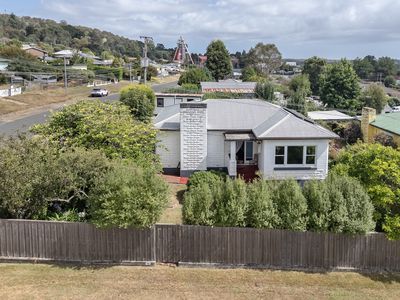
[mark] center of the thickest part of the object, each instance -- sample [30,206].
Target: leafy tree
[249,74]
[378,169]
[365,68]
[340,86]
[261,210]
[374,96]
[386,66]
[389,81]
[128,196]
[297,101]
[291,205]
[265,58]
[265,90]
[314,67]
[195,75]
[319,206]
[218,60]
[15,52]
[141,101]
[300,84]
[107,127]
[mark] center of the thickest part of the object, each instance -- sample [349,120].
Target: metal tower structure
[182,54]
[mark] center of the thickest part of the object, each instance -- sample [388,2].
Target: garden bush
[291,205]
[261,210]
[128,196]
[319,206]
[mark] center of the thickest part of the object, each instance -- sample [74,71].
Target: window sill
[294,168]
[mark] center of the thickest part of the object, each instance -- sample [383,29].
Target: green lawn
[29,281]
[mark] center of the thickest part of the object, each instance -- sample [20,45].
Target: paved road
[23,124]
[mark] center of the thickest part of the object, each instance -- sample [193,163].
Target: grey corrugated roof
[329,115]
[231,85]
[264,119]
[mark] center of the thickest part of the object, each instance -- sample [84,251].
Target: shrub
[209,178]
[385,140]
[319,206]
[128,196]
[102,126]
[231,207]
[199,205]
[291,205]
[38,181]
[141,101]
[261,210]
[352,210]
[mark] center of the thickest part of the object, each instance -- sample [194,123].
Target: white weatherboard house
[242,136]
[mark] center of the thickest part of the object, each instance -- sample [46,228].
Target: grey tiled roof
[265,120]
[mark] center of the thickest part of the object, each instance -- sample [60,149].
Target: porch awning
[239,137]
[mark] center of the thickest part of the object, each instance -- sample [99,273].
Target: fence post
[154,233]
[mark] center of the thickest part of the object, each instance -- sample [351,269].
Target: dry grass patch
[28,281]
[37,98]
[173,213]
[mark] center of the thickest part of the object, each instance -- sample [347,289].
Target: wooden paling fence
[183,244]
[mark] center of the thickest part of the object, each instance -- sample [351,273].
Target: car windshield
[96,90]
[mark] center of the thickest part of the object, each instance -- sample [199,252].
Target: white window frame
[304,164]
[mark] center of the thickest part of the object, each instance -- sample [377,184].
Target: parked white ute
[99,93]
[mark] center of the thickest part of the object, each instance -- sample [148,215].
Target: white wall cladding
[193,137]
[168,148]
[267,163]
[217,152]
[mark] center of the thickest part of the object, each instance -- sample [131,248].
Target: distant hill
[54,36]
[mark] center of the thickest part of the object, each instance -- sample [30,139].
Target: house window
[310,155]
[295,155]
[280,155]
[178,100]
[160,102]
[190,100]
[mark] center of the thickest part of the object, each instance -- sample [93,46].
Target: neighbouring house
[329,116]
[373,124]
[164,100]
[242,137]
[246,89]
[67,53]
[104,63]
[35,51]
[80,67]
[4,64]
[44,79]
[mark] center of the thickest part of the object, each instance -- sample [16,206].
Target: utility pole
[130,72]
[145,61]
[65,74]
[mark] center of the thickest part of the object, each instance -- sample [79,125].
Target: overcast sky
[300,28]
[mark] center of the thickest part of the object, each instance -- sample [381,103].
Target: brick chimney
[193,137]
[368,115]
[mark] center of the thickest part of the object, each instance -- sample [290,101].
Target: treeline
[53,36]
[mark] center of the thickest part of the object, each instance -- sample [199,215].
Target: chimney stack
[193,137]
[368,115]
